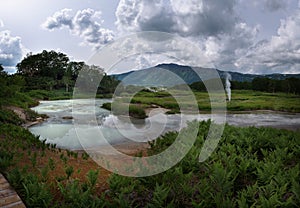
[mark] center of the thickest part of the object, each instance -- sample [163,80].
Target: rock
[39,119]
[67,117]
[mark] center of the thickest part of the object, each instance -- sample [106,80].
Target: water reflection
[59,128]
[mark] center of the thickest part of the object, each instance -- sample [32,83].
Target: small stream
[59,127]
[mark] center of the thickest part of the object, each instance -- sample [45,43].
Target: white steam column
[228,86]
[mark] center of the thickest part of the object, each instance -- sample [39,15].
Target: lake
[99,127]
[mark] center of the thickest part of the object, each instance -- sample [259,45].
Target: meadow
[241,101]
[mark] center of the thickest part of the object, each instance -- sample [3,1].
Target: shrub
[8,116]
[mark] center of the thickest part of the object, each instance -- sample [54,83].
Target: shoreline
[21,113]
[133,147]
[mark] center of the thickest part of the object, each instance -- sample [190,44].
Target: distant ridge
[162,75]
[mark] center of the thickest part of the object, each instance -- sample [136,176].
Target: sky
[258,36]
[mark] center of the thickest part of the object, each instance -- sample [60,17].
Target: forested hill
[144,76]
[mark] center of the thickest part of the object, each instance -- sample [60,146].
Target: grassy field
[242,100]
[252,100]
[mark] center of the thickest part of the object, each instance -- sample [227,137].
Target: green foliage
[92,177]
[251,167]
[33,159]
[289,85]
[69,171]
[85,156]
[263,84]
[6,160]
[77,195]
[51,70]
[134,111]
[33,192]
[36,193]
[8,116]
[106,106]
[47,64]
[241,100]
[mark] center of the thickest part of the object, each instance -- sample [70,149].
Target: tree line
[289,85]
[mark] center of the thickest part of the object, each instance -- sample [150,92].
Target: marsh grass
[135,111]
[242,100]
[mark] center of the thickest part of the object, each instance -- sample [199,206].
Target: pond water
[98,126]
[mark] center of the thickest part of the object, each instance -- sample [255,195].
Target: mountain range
[165,75]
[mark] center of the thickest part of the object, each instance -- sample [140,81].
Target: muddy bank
[29,117]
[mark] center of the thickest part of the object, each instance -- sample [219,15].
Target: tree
[260,84]
[2,72]
[89,78]
[108,84]
[67,80]
[74,68]
[48,64]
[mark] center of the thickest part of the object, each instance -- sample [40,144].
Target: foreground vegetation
[250,167]
[45,176]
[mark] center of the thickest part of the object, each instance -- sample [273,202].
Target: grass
[19,99]
[242,100]
[134,111]
[50,95]
[251,100]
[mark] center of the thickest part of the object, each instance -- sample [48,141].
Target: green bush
[135,111]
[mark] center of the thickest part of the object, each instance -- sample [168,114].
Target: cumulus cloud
[86,24]
[184,17]
[59,19]
[213,25]
[11,49]
[279,54]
